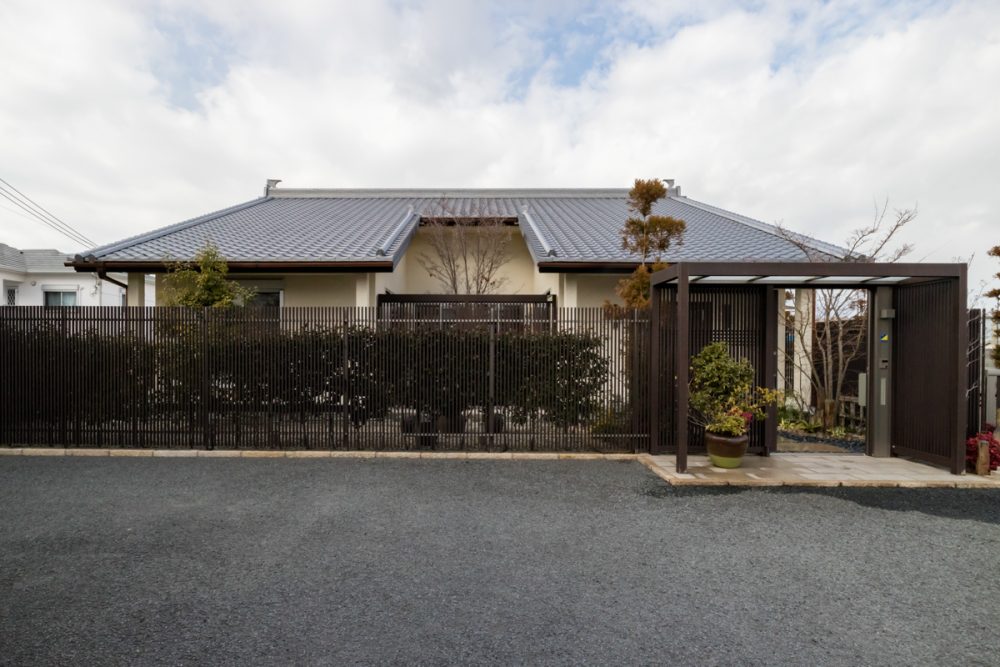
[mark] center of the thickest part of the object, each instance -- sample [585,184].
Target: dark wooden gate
[737,316]
[928,380]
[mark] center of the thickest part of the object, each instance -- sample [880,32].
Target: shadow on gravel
[973,504]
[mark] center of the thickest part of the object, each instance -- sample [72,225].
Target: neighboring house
[346,247]
[41,278]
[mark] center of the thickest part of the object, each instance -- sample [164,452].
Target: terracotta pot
[725,451]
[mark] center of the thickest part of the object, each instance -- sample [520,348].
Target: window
[60,299]
[266,300]
[10,298]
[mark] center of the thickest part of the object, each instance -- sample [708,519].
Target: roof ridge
[430,193]
[163,231]
[816,244]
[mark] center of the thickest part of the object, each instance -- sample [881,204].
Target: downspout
[103,275]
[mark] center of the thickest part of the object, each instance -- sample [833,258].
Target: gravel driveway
[228,561]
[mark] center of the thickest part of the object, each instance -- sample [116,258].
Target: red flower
[972,449]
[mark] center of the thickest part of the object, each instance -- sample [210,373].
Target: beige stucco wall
[594,289]
[319,290]
[518,275]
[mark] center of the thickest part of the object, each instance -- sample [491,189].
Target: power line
[40,213]
[42,219]
[25,203]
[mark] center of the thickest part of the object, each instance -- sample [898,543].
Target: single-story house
[344,247]
[40,277]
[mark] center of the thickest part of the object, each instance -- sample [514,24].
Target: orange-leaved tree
[648,236]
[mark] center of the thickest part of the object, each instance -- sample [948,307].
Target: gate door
[928,398]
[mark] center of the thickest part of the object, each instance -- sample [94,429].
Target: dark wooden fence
[976,376]
[515,377]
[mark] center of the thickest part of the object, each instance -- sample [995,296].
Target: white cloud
[794,111]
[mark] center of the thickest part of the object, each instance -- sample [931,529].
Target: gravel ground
[183,561]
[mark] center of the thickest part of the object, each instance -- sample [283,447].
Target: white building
[41,278]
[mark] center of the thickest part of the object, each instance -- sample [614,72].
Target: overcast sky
[123,117]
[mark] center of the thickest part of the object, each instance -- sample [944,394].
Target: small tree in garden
[203,283]
[648,236]
[184,356]
[995,294]
[837,328]
[468,249]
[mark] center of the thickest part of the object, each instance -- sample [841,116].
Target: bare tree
[994,294]
[468,248]
[836,328]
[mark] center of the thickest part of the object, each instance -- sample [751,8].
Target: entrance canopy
[823,275]
[918,334]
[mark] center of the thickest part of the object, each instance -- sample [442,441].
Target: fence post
[656,296]
[63,358]
[346,400]
[205,385]
[635,383]
[492,379]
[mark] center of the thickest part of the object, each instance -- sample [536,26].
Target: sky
[121,117]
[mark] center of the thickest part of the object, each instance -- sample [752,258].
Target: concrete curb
[314,454]
[673,479]
[960,481]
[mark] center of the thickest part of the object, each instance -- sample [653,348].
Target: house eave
[586,267]
[380,266]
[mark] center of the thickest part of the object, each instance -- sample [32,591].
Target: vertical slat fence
[519,376]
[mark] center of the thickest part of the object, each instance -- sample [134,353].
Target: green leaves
[723,397]
[203,283]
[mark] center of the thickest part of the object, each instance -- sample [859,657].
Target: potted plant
[724,401]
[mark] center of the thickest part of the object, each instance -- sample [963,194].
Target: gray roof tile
[351,225]
[33,260]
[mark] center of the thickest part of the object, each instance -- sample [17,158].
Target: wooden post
[656,294]
[491,393]
[345,400]
[206,386]
[959,380]
[681,365]
[772,311]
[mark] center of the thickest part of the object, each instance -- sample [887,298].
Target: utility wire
[39,208]
[44,221]
[32,207]
[36,210]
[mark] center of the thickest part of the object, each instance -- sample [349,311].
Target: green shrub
[724,399]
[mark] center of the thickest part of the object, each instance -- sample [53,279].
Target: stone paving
[816,470]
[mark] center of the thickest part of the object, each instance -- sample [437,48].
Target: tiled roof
[33,261]
[353,225]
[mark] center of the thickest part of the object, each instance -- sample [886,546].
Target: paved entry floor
[303,561]
[816,470]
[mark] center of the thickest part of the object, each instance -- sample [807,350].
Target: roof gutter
[365,266]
